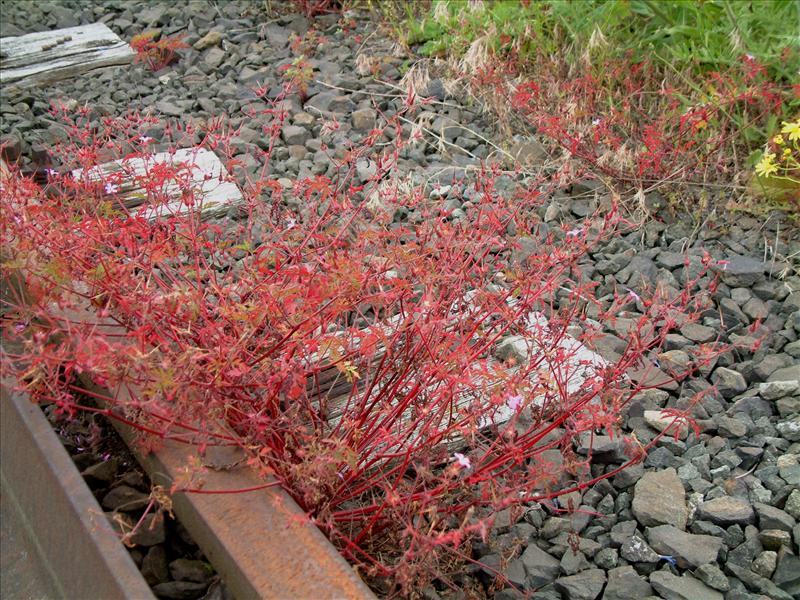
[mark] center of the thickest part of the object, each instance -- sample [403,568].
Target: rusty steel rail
[73,543]
[260,542]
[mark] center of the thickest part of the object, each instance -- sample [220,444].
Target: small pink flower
[575,232]
[51,172]
[462,460]
[110,188]
[633,295]
[513,402]
[145,139]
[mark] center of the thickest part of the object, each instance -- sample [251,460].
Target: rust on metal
[261,542]
[74,541]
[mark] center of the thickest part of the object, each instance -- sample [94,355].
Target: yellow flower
[778,139]
[766,166]
[787,152]
[792,130]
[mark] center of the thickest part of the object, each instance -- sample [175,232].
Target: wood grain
[198,178]
[39,59]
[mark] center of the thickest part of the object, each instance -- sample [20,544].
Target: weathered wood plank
[37,59]
[196,178]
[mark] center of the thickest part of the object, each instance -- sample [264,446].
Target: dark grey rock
[624,583]
[180,590]
[730,427]
[364,119]
[636,550]
[699,333]
[515,572]
[765,563]
[787,574]
[773,390]
[745,553]
[672,587]
[713,577]
[756,309]
[790,373]
[689,549]
[604,449]
[172,109]
[607,558]
[726,510]
[622,532]
[434,88]
[554,526]
[329,102]
[659,498]
[670,260]
[294,135]
[586,585]
[762,369]
[753,406]
[757,583]
[792,505]
[732,313]
[150,532]
[789,429]
[728,382]
[540,567]
[209,40]
[741,271]
[125,498]
[628,476]
[775,539]
[674,360]
[184,569]
[154,565]
[573,562]
[103,472]
[770,517]
[214,57]
[643,272]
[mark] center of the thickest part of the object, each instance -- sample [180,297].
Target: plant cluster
[694,37]
[402,381]
[156,51]
[624,132]
[639,94]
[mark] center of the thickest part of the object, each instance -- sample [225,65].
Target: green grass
[688,35]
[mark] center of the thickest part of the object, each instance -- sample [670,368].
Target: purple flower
[633,295]
[575,232]
[513,402]
[110,188]
[51,172]
[462,460]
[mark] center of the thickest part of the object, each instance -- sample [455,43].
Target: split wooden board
[39,59]
[197,180]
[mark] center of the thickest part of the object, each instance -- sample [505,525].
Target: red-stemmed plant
[355,356]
